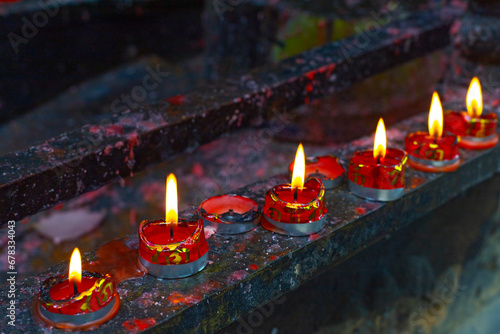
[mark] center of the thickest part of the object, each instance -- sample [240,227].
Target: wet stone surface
[248,270]
[59,168]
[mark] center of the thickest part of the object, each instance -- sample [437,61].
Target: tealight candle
[326,168]
[433,151]
[230,214]
[296,209]
[477,130]
[379,174]
[172,247]
[77,301]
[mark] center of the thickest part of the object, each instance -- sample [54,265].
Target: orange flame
[380,143]
[475,98]
[171,200]
[436,117]
[299,168]
[75,267]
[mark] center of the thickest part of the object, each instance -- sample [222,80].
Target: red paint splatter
[58,206]
[273,257]
[237,275]
[240,247]
[198,170]
[95,129]
[309,88]
[135,325]
[107,150]
[209,231]
[116,259]
[360,210]
[131,143]
[113,130]
[314,236]
[254,267]
[176,297]
[176,100]
[260,172]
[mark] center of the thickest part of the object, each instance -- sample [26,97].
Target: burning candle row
[176,248]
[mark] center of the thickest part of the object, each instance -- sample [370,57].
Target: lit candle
[476,129]
[230,214]
[77,301]
[172,247]
[432,151]
[296,209]
[378,174]
[326,168]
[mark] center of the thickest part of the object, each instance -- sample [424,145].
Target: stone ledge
[251,269]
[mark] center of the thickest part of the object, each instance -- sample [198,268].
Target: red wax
[421,145]
[461,124]
[215,207]
[93,294]
[388,174]
[324,168]
[156,245]
[309,204]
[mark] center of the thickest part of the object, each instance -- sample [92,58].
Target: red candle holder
[294,212]
[172,250]
[476,133]
[230,214]
[382,180]
[95,302]
[326,168]
[430,154]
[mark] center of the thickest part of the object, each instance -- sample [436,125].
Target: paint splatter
[360,210]
[135,325]
[176,100]
[254,267]
[314,236]
[209,231]
[237,275]
[116,259]
[177,298]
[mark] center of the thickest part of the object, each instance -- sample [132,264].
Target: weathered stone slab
[82,160]
[249,270]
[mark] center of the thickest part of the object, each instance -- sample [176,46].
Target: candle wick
[295,194]
[171,231]
[75,288]
[378,160]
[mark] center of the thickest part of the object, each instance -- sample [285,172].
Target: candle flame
[171,200]
[475,98]
[299,168]
[380,143]
[75,267]
[436,117]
